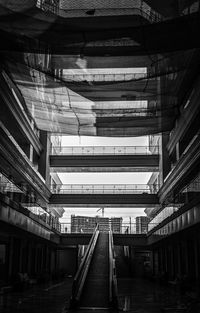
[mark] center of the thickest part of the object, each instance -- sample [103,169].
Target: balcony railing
[105,189]
[104,150]
[42,216]
[24,156]
[163,215]
[116,228]
[7,185]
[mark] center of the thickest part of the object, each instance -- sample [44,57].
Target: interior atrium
[99,122]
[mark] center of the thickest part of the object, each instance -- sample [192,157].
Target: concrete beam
[122,88]
[107,200]
[110,169]
[136,240]
[74,239]
[170,35]
[104,161]
[71,61]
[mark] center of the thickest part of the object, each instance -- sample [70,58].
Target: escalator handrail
[85,255]
[87,265]
[81,274]
[113,300]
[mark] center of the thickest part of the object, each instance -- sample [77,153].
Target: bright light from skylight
[104,71]
[104,141]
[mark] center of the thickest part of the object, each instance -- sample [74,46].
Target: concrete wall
[67,260]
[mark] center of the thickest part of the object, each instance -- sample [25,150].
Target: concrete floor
[52,298]
[135,296]
[144,296]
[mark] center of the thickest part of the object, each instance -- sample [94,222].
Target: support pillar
[196,263]
[165,163]
[43,163]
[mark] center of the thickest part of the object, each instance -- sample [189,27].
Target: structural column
[43,164]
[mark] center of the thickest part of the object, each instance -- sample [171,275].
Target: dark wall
[178,257]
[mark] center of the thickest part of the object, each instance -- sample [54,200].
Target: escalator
[96,288]
[95,281]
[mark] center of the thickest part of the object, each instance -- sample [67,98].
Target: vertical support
[31,153]
[179,259]
[11,259]
[185,251]
[171,251]
[21,245]
[43,164]
[29,257]
[152,262]
[196,263]
[177,151]
[165,164]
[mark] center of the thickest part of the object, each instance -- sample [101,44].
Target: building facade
[87,224]
[142,224]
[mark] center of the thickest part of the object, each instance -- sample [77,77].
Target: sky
[104,141]
[104,178]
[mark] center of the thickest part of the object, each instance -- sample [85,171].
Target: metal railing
[40,215]
[139,6]
[193,186]
[116,228]
[81,274]
[6,185]
[105,150]
[48,5]
[14,142]
[105,189]
[113,300]
[102,77]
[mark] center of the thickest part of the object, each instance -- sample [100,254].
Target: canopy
[98,68]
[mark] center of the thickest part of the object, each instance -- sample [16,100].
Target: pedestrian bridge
[113,189]
[106,195]
[104,158]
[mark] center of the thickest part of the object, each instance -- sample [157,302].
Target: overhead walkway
[109,200]
[106,195]
[95,285]
[102,158]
